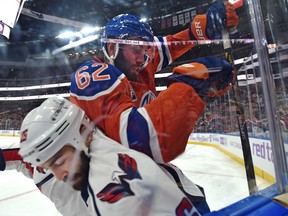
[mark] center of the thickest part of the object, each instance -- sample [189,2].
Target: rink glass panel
[27,64]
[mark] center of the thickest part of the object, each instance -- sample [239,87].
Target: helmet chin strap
[112,57]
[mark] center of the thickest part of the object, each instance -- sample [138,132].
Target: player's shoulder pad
[94,77]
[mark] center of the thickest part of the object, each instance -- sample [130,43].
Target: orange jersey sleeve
[167,50]
[174,114]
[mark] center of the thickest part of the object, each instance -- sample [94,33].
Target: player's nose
[140,59]
[59,174]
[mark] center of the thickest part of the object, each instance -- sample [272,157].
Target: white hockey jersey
[125,182]
[70,203]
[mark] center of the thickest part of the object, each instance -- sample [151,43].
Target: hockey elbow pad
[209,76]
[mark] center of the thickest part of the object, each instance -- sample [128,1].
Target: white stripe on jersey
[107,91]
[159,67]
[168,54]
[123,127]
[153,142]
[162,53]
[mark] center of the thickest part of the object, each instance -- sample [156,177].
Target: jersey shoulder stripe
[93,79]
[159,49]
[164,53]
[45,179]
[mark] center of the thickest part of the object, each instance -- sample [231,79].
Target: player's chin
[79,182]
[135,70]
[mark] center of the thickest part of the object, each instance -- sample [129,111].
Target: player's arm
[174,114]
[176,110]
[11,160]
[207,26]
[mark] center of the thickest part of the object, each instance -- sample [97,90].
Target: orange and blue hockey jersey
[124,110]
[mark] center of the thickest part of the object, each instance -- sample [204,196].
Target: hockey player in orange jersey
[111,95]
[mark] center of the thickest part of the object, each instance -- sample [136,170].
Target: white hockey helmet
[47,128]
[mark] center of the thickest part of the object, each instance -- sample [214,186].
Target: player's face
[69,166]
[130,60]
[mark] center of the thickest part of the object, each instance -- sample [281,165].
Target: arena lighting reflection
[34,87]
[84,31]
[75,44]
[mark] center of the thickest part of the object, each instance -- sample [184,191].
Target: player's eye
[59,162]
[138,49]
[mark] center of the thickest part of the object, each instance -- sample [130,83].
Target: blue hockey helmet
[125,26]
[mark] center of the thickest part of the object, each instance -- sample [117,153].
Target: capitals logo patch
[119,189]
[24,136]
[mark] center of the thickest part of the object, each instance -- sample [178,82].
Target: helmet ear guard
[47,128]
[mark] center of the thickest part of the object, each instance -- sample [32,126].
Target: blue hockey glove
[219,16]
[209,76]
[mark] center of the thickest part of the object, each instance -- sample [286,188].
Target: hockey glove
[219,16]
[2,161]
[209,76]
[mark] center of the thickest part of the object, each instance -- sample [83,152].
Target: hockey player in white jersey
[113,179]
